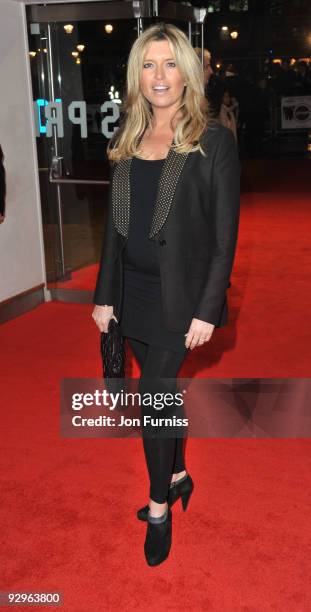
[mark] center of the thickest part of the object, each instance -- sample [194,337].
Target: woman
[170,239]
[226,115]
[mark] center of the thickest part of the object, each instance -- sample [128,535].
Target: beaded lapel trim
[121,192]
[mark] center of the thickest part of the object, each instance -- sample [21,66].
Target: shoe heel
[185,500]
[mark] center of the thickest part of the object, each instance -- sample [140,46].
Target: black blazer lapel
[121,196]
[170,174]
[121,192]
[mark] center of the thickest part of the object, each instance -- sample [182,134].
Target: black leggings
[164,456]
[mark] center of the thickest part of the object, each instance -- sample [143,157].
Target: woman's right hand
[102,316]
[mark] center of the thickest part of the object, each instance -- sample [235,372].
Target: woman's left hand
[199,332]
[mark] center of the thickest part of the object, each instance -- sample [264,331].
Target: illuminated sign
[296,112]
[51,116]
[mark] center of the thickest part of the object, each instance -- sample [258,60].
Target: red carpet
[68,506]
[84,279]
[270,297]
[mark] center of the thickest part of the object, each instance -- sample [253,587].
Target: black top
[142,312]
[140,252]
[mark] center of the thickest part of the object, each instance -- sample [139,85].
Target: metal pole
[73,181]
[200,14]
[58,191]
[137,14]
[139,26]
[202,42]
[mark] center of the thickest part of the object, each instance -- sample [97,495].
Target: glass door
[78,58]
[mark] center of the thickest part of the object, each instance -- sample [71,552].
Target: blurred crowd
[248,102]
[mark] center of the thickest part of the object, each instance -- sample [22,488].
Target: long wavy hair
[138,110]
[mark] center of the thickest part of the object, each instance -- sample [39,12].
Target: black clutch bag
[113,351]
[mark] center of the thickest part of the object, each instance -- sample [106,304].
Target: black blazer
[194,226]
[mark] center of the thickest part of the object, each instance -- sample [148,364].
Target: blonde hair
[137,109]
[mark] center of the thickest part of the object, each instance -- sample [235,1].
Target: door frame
[103,9]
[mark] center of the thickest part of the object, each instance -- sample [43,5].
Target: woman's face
[207,68]
[161,81]
[226,99]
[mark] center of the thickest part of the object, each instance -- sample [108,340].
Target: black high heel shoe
[158,538]
[183,488]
